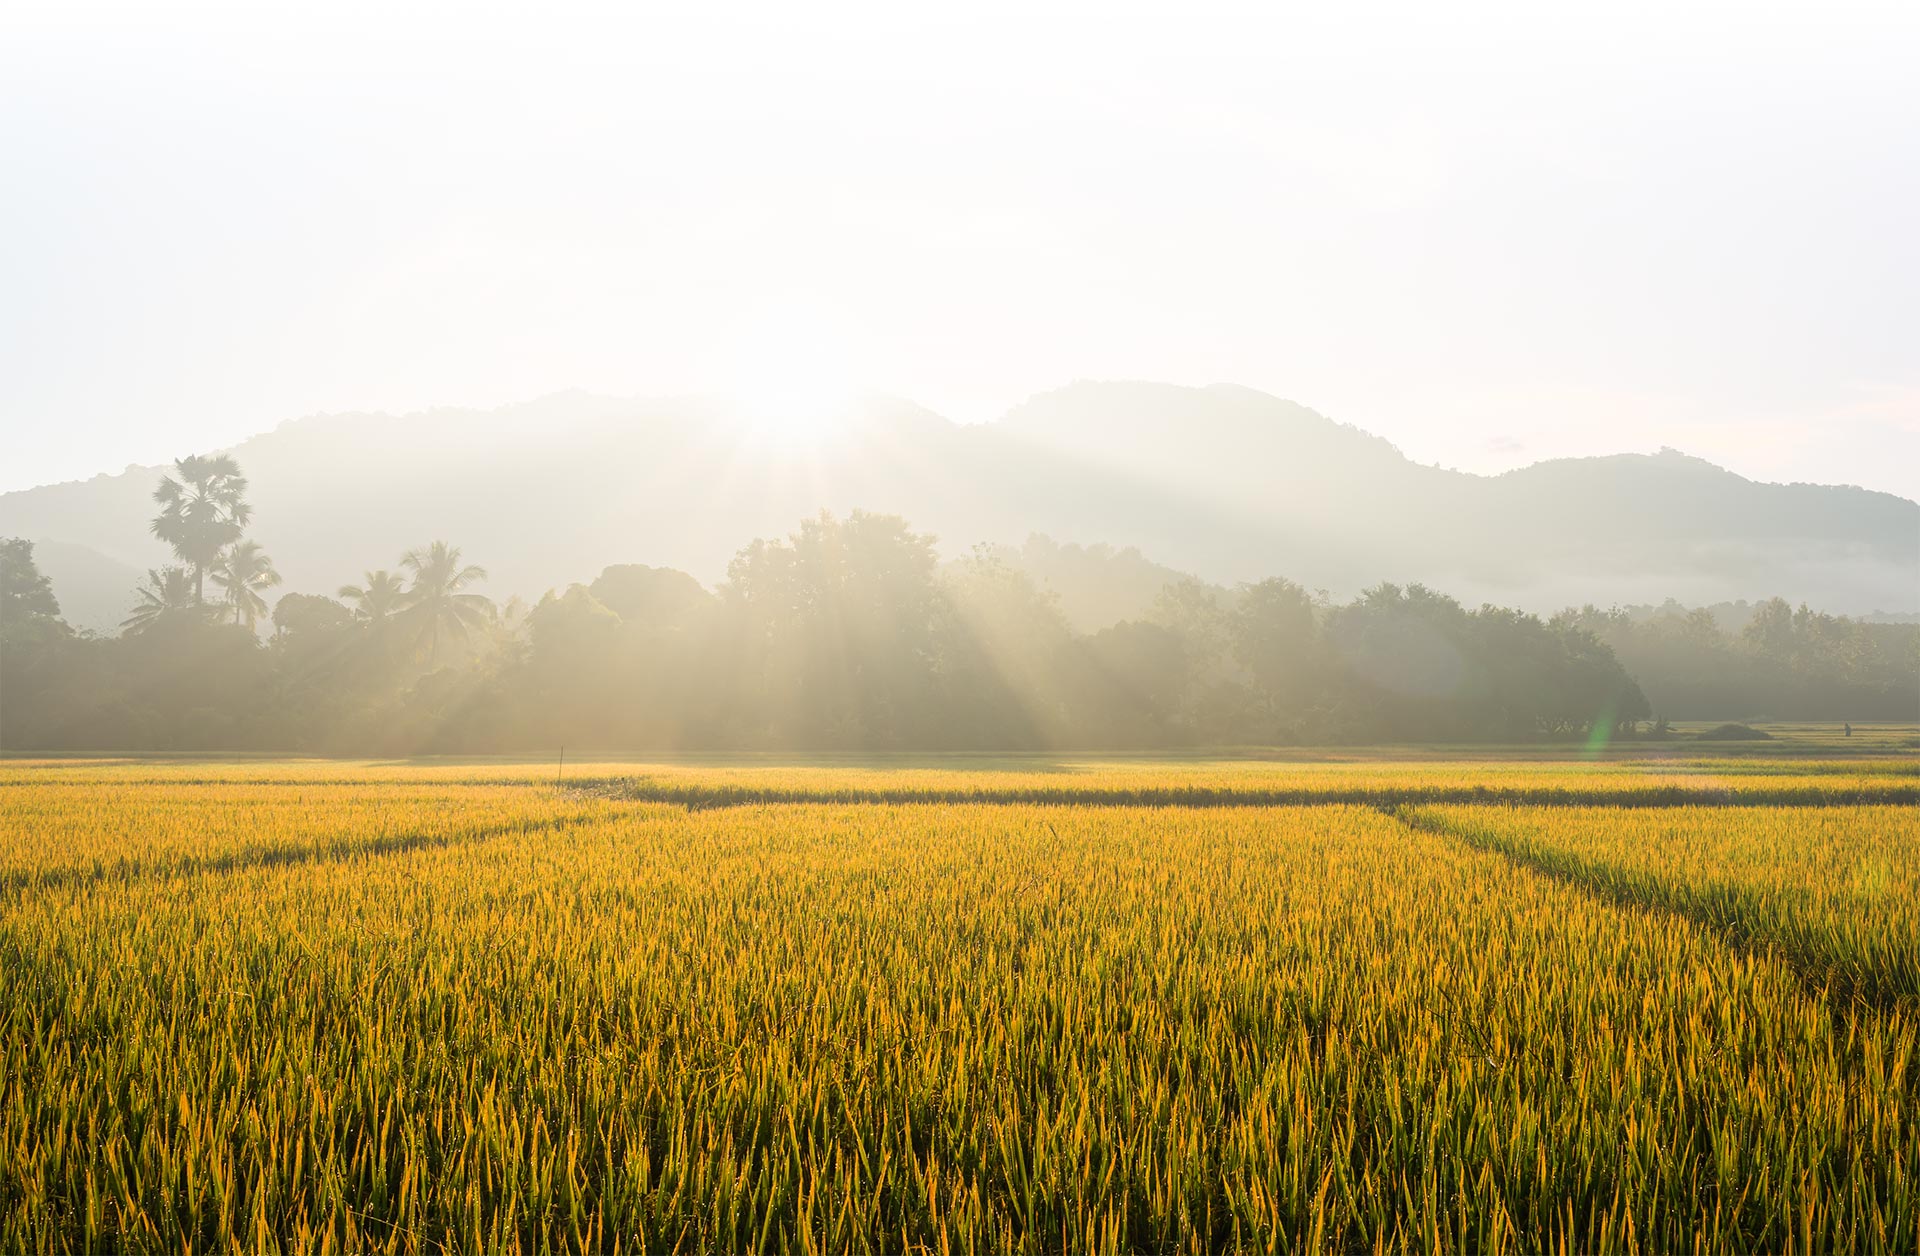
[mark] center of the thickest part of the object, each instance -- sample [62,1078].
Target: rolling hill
[1224,482]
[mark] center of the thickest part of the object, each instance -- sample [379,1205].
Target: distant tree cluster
[203,515]
[1784,663]
[848,634]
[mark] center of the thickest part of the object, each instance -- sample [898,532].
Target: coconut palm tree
[241,573]
[166,595]
[202,512]
[436,607]
[383,595]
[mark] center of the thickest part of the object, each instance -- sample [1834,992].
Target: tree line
[1784,663]
[847,634]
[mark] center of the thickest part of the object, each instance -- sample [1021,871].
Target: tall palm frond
[202,512]
[241,573]
[383,594]
[165,595]
[437,609]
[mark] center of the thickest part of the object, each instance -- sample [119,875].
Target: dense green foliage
[1783,663]
[849,634]
[846,635]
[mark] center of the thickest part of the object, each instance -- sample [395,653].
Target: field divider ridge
[271,856]
[711,797]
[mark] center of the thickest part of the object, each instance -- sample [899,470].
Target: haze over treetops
[1223,482]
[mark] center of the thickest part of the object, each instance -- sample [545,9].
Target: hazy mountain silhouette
[95,591]
[1224,482]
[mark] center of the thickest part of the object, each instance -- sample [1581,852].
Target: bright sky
[1490,235]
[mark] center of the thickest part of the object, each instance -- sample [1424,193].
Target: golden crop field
[1102,1006]
[1350,776]
[1836,890]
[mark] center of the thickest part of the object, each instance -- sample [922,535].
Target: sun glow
[797,383]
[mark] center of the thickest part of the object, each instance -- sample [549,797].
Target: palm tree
[166,595]
[436,607]
[202,512]
[383,594]
[242,572]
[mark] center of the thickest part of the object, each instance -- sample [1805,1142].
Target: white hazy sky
[1492,235]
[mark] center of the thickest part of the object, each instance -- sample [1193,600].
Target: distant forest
[850,634]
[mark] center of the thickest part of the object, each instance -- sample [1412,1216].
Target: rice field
[975,1007]
[1349,777]
[1835,891]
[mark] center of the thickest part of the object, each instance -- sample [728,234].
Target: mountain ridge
[1225,481]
